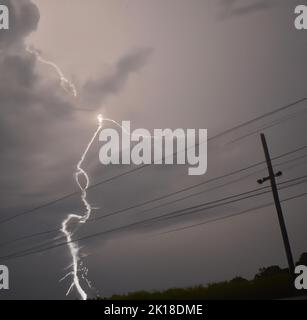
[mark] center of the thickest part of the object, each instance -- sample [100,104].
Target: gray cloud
[24,17]
[97,90]
[34,112]
[38,119]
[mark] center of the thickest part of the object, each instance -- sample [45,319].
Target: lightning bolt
[67,85]
[73,247]
[76,267]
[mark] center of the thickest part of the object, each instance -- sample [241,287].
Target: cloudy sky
[160,64]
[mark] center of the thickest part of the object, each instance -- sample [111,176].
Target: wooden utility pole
[282,224]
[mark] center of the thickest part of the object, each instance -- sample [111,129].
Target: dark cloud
[30,107]
[24,18]
[38,119]
[97,90]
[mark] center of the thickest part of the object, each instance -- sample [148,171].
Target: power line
[270,125]
[217,219]
[190,188]
[57,230]
[34,235]
[208,203]
[155,199]
[69,195]
[231,215]
[283,108]
[195,209]
[23,254]
[265,115]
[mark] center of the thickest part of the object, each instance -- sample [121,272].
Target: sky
[159,64]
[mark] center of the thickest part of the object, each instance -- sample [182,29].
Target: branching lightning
[73,247]
[76,268]
[67,85]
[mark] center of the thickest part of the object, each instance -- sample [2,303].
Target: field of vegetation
[269,283]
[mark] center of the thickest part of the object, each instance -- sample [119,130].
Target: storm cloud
[97,90]
[205,73]
[38,118]
[24,18]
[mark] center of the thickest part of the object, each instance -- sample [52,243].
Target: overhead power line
[270,125]
[123,210]
[69,195]
[171,215]
[152,200]
[198,208]
[231,215]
